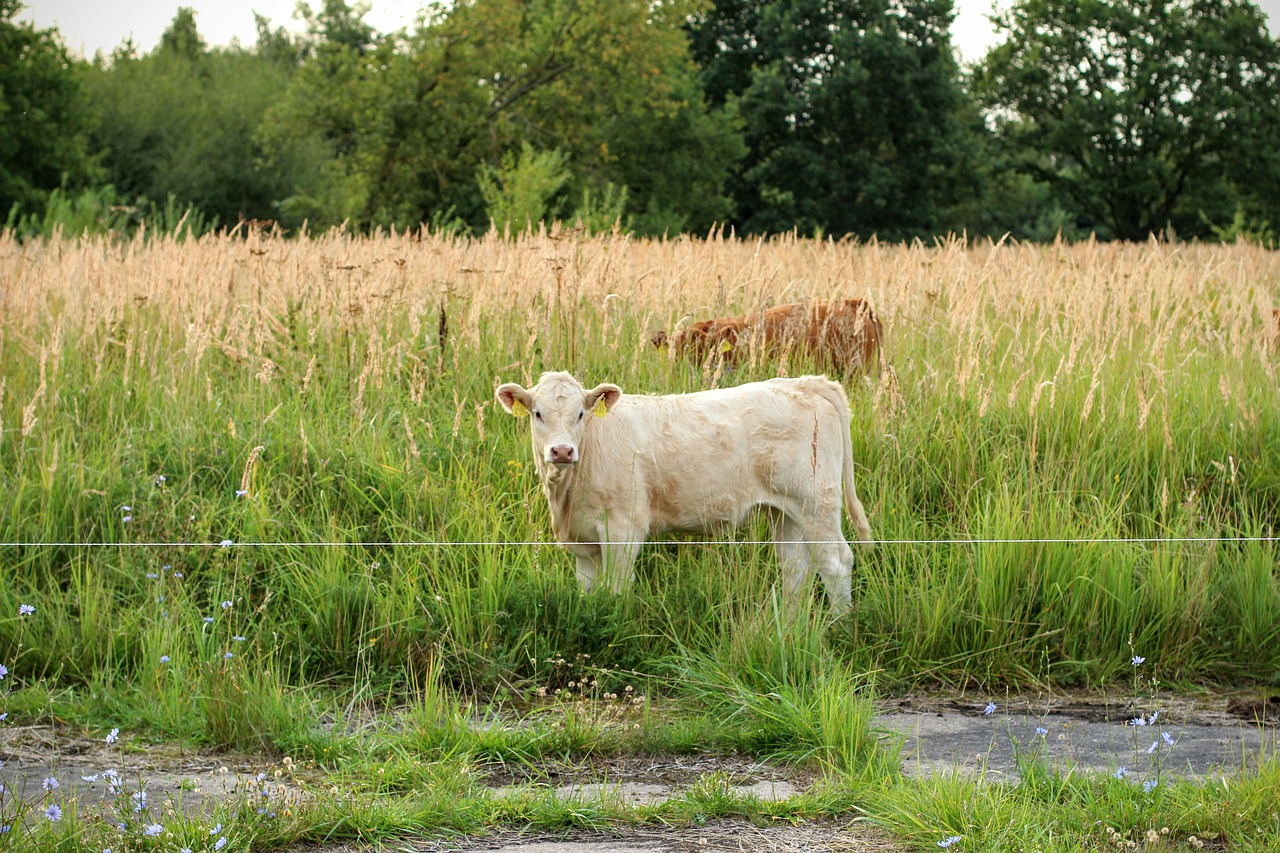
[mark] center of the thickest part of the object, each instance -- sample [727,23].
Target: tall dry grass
[1085,303]
[338,388]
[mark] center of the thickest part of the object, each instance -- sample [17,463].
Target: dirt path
[1180,738]
[718,836]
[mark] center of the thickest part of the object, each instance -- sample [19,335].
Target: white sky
[92,25]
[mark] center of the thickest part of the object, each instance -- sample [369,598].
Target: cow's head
[558,407]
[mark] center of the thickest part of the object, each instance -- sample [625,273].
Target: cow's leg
[588,572]
[834,562]
[618,555]
[794,556]
[804,547]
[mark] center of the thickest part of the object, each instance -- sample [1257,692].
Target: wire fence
[434,543]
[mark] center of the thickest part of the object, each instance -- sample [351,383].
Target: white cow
[695,462]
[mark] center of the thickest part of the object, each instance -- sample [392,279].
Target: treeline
[1113,117]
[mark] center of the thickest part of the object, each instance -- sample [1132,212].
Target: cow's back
[696,461]
[841,336]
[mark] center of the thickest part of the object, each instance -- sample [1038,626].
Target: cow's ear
[514,399]
[602,398]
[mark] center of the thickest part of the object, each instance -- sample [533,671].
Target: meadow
[249,484]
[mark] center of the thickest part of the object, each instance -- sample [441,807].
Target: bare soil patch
[170,773]
[674,771]
[721,835]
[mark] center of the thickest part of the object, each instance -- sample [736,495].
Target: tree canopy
[837,117]
[1140,113]
[411,121]
[44,112]
[182,121]
[850,109]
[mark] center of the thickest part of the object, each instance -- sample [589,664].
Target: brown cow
[843,336]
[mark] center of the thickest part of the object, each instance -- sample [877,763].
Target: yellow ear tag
[725,346]
[601,409]
[518,409]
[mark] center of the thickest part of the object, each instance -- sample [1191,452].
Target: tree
[181,37]
[849,108]
[521,193]
[44,112]
[341,25]
[278,45]
[1140,113]
[412,122]
[182,120]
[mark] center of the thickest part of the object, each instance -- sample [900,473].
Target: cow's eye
[581,413]
[537,413]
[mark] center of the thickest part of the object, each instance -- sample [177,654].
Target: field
[261,498]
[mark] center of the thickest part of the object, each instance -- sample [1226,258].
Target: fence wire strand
[434,543]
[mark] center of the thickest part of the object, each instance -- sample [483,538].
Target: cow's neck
[557,484]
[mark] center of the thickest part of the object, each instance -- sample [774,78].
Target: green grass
[373,428]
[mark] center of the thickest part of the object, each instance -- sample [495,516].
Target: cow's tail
[835,393]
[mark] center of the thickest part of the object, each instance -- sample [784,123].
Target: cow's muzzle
[562,454]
